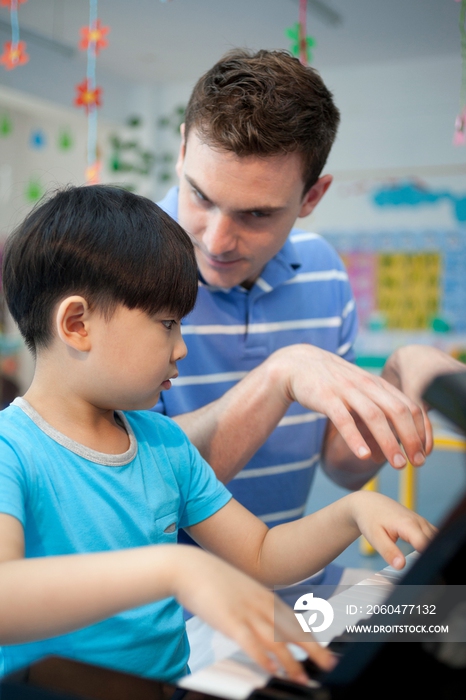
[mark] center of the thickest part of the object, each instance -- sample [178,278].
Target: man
[268,390]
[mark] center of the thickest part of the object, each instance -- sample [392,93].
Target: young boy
[93,489]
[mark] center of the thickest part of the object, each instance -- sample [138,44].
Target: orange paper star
[95,35]
[14,54]
[87,97]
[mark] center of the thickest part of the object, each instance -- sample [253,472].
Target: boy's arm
[228,431]
[294,551]
[48,596]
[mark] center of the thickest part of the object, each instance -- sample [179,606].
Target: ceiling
[155,41]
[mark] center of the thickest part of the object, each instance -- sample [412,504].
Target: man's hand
[370,419]
[370,414]
[412,368]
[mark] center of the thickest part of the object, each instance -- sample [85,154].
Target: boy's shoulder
[13,422]
[153,425]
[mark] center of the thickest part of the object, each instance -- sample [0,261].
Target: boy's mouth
[167,383]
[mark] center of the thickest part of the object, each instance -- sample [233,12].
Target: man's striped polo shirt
[302,296]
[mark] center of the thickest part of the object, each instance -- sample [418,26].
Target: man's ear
[72,323]
[313,196]
[181,153]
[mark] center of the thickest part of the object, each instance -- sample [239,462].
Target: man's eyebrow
[196,187]
[250,210]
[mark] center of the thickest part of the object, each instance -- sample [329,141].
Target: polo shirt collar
[282,267]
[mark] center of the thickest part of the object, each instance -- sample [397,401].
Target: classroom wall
[397,122]
[396,132]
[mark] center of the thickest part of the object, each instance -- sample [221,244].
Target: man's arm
[228,431]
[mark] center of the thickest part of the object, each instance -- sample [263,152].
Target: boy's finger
[322,656]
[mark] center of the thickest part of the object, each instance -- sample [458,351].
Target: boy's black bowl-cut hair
[102,242]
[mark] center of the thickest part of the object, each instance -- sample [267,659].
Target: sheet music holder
[366,669]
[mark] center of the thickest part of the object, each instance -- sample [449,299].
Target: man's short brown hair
[265,103]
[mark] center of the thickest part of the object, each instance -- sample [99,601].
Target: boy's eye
[169,324]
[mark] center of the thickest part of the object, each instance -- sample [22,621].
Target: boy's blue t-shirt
[71,499]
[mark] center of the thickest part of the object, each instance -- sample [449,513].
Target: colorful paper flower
[94,35]
[87,97]
[14,54]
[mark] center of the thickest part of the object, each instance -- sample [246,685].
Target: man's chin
[217,278]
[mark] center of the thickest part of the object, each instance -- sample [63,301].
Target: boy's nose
[180,350]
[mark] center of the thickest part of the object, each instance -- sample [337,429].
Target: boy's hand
[248,613]
[383,521]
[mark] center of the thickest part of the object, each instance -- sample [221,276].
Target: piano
[402,667]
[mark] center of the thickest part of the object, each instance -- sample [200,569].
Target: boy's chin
[142,405]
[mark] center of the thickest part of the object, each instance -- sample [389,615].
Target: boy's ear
[313,196]
[182,151]
[72,320]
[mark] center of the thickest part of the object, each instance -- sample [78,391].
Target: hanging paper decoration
[301,44]
[88,96]
[14,51]
[459,136]
[93,39]
[94,35]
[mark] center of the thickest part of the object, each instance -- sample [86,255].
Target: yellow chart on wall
[408,288]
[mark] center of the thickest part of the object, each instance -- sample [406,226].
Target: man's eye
[169,324]
[259,214]
[200,196]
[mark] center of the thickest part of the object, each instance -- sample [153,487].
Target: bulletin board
[409,286]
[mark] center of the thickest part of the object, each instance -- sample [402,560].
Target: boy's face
[133,358]
[239,210]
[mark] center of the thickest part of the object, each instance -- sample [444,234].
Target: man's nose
[219,235]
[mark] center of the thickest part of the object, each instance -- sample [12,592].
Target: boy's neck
[72,415]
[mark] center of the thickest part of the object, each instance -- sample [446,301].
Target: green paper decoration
[129,156]
[173,120]
[6,126]
[34,190]
[294,33]
[65,140]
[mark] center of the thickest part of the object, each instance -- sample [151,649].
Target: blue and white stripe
[302,296]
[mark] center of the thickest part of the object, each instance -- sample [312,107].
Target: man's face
[239,210]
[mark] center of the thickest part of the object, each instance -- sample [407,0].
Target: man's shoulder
[313,250]
[169,203]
